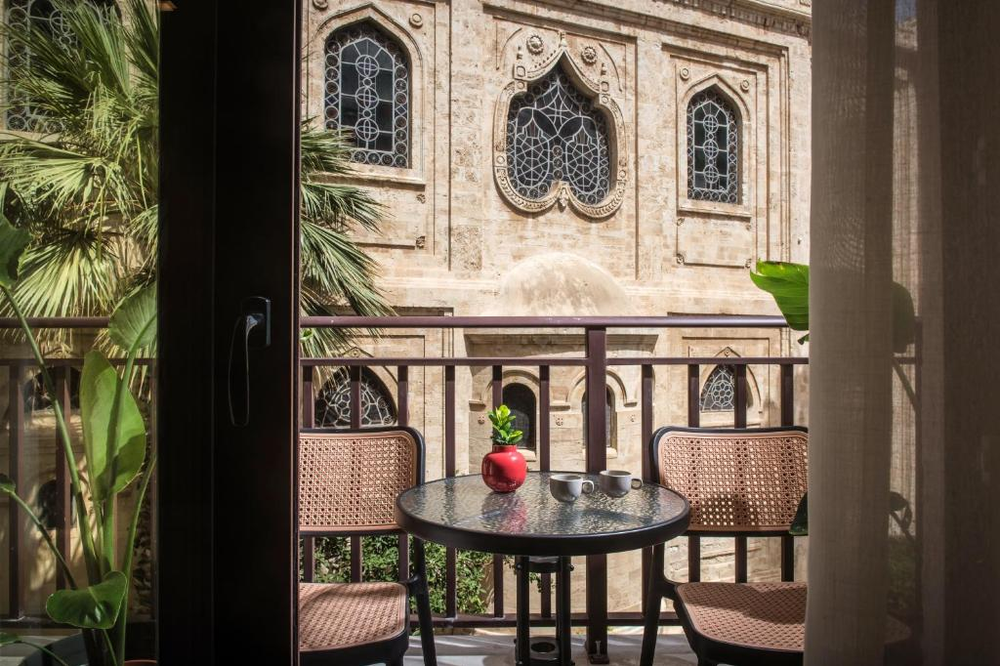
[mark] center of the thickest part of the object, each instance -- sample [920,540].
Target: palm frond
[87,188]
[70,271]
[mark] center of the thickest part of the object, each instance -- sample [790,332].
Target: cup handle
[636,484]
[587,486]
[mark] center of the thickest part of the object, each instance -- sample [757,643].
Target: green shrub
[380,562]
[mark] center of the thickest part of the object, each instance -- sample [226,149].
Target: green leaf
[112,464]
[12,244]
[8,639]
[133,323]
[7,484]
[788,283]
[94,607]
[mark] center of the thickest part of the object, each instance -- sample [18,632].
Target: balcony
[561,360]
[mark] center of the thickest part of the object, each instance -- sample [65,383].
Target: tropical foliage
[115,457]
[84,184]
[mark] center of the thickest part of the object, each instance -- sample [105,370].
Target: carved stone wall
[458,238]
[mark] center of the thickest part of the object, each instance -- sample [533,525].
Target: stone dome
[559,284]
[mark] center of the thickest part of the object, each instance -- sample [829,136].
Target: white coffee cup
[568,487]
[617,482]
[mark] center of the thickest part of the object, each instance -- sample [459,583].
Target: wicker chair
[742,482]
[348,483]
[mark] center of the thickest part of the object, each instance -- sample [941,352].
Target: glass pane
[545,142]
[713,148]
[367,75]
[78,268]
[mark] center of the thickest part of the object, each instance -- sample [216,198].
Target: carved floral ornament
[580,149]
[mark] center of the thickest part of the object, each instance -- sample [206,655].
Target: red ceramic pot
[504,468]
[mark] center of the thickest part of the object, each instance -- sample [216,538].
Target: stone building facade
[558,157]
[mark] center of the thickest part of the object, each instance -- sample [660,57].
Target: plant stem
[110,647]
[43,649]
[48,539]
[86,535]
[133,527]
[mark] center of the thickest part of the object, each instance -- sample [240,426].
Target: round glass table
[541,532]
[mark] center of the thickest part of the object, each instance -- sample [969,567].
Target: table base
[547,651]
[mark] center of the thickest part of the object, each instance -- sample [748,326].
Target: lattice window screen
[368,94]
[554,133]
[713,148]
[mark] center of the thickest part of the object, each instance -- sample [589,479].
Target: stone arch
[755,405]
[739,103]
[370,13]
[613,381]
[560,192]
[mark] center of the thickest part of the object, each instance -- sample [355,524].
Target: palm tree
[84,180]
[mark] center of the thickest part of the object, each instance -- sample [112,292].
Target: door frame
[229,176]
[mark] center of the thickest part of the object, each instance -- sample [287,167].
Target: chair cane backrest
[349,479]
[736,480]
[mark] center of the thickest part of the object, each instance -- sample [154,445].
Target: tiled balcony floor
[492,650]
[671,650]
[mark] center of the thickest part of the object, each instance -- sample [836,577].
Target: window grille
[719,392]
[713,148]
[40,15]
[368,94]
[554,133]
[333,404]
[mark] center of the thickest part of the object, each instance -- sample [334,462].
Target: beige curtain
[904,552]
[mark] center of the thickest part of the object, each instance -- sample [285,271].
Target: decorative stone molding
[589,55]
[535,44]
[416,20]
[597,89]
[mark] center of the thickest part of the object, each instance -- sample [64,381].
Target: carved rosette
[561,193]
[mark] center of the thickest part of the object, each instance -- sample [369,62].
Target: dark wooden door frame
[228,213]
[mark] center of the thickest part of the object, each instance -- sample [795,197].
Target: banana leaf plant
[114,443]
[788,283]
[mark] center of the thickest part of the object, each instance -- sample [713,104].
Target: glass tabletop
[463,512]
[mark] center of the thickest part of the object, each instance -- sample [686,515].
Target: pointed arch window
[555,134]
[713,148]
[719,391]
[333,404]
[368,93]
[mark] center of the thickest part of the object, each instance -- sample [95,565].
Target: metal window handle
[252,330]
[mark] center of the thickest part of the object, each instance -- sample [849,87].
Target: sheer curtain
[904,552]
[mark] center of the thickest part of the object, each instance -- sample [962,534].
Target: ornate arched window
[333,404]
[521,401]
[555,134]
[368,93]
[713,148]
[719,392]
[40,15]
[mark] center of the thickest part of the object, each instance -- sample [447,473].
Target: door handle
[252,330]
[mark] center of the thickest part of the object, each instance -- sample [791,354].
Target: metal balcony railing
[593,358]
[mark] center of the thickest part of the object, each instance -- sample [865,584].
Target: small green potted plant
[114,442]
[504,468]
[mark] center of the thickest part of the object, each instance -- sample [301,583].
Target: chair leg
[654,595]
[424,606]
